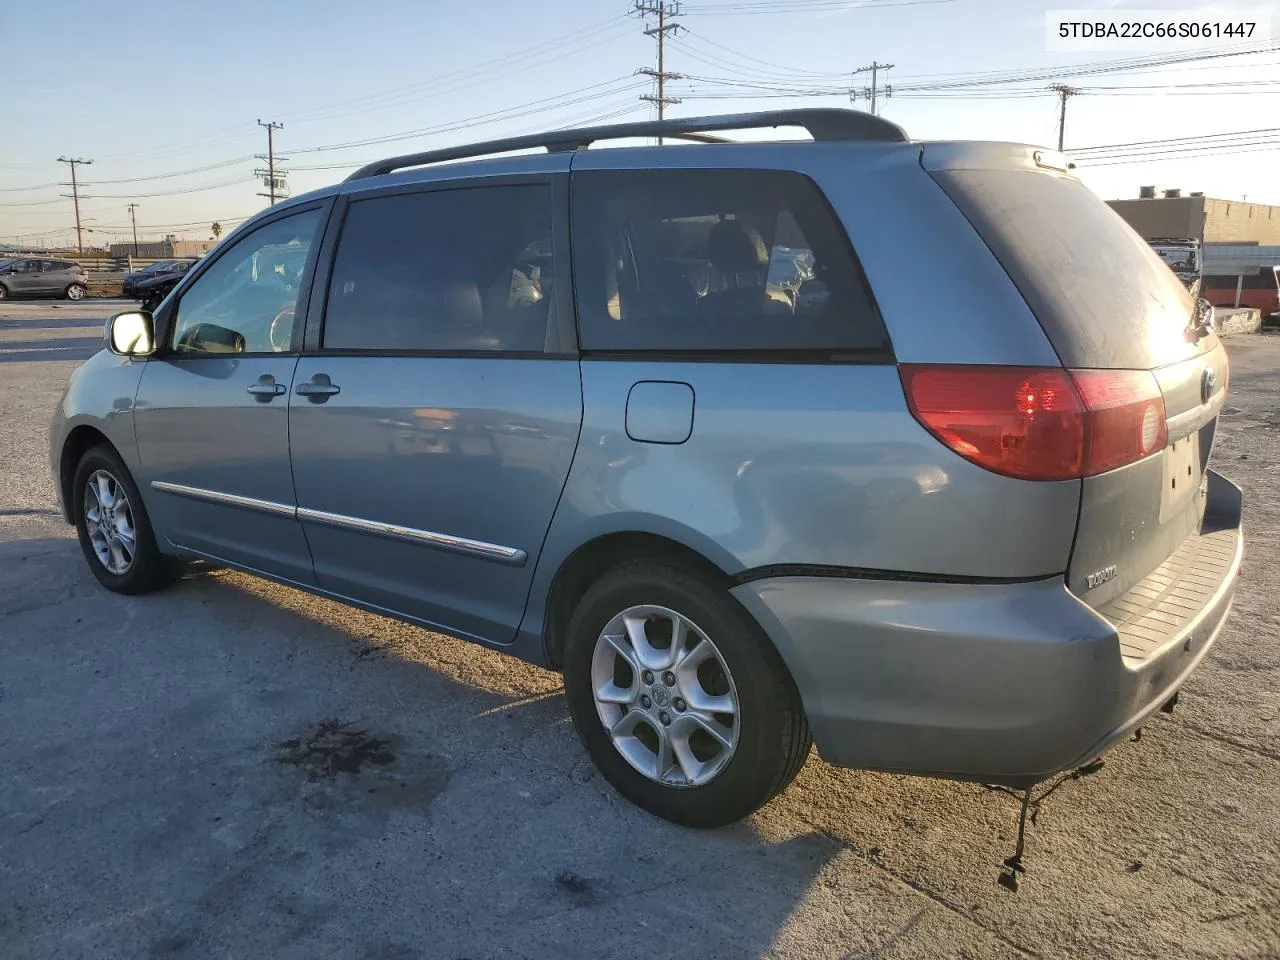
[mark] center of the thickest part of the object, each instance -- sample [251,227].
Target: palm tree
[217,230]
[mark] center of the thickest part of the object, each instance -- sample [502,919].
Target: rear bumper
[1004,683]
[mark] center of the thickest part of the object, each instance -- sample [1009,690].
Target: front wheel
[76,291]
[4,293]
[114,529]
[679,697]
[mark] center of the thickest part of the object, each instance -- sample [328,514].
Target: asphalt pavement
[232,768]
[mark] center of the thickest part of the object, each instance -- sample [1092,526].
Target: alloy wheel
[665,696]
[108,521]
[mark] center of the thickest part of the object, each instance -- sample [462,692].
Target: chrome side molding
[442,541]
[229,499]
[479,548]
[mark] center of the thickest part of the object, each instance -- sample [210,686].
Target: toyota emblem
[1208,381]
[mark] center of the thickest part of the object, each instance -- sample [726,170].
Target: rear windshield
[1103,296]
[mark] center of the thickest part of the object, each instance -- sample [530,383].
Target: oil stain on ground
[350,768]
[333,748]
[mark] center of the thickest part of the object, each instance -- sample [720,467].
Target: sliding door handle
[318,389]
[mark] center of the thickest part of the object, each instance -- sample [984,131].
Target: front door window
[246,301]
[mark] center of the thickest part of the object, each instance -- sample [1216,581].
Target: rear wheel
[679,697]
[114,529]
[76,291]
[4,292]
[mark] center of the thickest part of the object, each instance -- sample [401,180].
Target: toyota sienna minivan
[583,406]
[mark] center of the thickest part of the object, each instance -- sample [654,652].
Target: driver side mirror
[131,334]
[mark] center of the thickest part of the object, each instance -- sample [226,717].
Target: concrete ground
[167,790]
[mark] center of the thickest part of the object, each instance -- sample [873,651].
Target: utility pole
[1063,91]
[665,11]
[871,92]
[75,194]
[134,220]
[270,173]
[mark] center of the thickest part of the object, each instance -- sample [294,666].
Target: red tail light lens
[1018,421]
[1039,423]
[1125,414]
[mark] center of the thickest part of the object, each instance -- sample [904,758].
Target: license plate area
[1181,474]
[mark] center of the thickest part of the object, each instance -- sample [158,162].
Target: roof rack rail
[822,124]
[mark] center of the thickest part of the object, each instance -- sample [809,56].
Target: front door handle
[266,388]
[318,389]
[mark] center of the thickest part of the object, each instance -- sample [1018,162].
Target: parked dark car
[152,284]
[33,277]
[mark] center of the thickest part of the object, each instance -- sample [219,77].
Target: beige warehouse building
[1168,213]
[1240,242]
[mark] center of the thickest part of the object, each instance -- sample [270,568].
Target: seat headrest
[735,247]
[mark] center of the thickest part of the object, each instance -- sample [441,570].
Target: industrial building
[1239,241]
[166,249]
[1170,213]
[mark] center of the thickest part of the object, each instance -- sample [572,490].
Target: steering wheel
[280,330]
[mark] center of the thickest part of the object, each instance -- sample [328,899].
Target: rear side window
[714,261]
[445,271]
[1104,298]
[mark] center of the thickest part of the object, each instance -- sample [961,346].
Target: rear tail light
[1039,423]
[1125,411]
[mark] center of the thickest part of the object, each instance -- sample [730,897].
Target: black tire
[773,738]
[150,569]
[4,292]
[75,291]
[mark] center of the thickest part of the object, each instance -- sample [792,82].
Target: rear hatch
[1106,302]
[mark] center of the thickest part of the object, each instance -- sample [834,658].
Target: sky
[164,97]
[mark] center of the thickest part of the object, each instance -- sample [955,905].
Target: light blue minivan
[896,447]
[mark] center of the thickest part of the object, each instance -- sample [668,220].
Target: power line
[997,78]
[169,193]
[1180,148]
[1215,154]
[616,108]
[1207,149]
[755,62]
[498,68]
[1175,140]
[155,176]
[542,105]
[800,6]
[507,65]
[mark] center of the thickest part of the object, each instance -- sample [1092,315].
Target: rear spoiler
[980,155]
